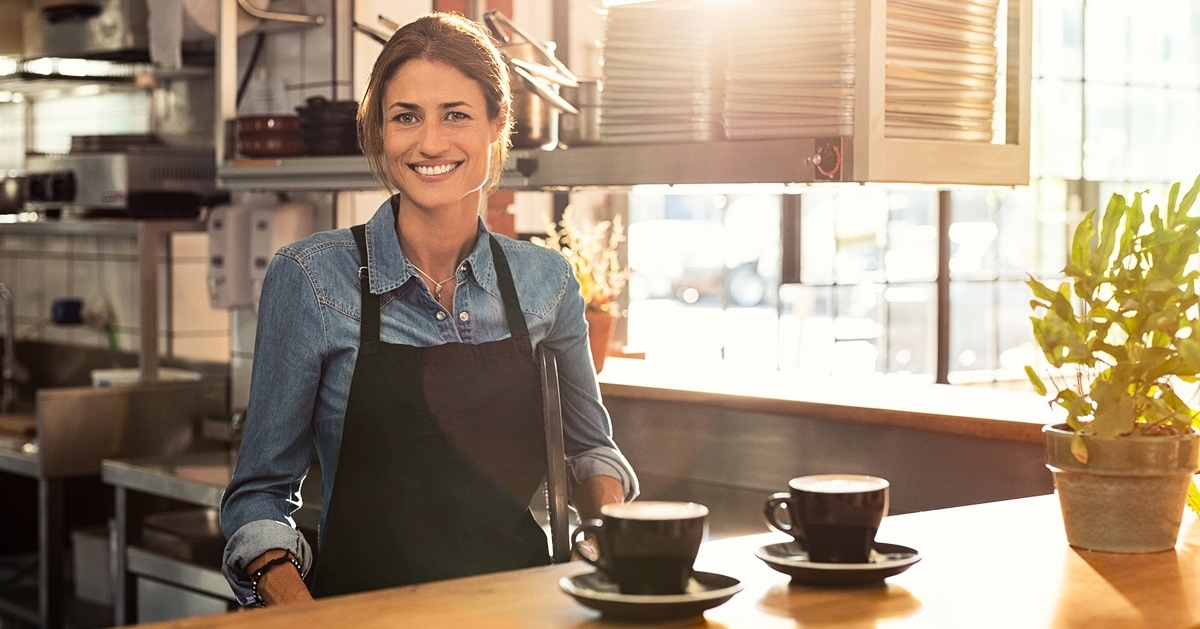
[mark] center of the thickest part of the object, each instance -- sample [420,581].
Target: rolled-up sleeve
[252,540]
[603,461]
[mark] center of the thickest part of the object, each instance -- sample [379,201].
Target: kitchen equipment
[115,30]
[270,229]
[121,177]
[269,135]
[229,257]
[582,128]
[329,127]
[536,74]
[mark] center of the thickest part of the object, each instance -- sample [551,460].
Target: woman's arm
[274,456]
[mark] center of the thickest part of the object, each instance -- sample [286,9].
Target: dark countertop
[875,399]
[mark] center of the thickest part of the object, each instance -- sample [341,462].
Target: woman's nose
[433,139]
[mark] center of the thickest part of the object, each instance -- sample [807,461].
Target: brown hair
[447,38]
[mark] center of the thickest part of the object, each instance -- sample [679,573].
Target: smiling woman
[402,351]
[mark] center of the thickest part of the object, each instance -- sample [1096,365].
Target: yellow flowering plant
[591,248]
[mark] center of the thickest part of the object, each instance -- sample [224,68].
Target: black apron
[442,450]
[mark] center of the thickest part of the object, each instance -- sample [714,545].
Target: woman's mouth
[433,171]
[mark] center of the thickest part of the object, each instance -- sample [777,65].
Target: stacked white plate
[662,73]
[941,70]
[790,69]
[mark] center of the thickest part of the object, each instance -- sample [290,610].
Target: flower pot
[1129,496]
[601,325]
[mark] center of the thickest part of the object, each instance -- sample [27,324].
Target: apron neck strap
[508,293]
[369,328]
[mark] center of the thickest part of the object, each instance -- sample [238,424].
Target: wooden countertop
[878,399]
[1003,565]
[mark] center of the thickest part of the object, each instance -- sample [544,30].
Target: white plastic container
[103,378]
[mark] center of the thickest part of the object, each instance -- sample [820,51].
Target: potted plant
[1123,461]
[592,249]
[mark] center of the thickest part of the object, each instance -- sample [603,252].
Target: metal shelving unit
[868,155]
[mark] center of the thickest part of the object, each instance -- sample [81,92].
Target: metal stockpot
[536,75]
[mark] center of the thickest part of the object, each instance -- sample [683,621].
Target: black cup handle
[771,510]
[593,527]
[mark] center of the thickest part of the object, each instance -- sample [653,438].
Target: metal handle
[497,22]
[545,91]
[556,460]
[280,17]
[370,32]
[541,71]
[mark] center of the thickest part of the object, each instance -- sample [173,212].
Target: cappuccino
[833,517]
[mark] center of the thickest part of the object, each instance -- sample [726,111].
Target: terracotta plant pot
[601,326]
[1129,497]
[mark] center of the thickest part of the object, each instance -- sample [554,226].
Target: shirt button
[463,316]
[440,315]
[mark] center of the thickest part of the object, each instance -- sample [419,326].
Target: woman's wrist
[276,579]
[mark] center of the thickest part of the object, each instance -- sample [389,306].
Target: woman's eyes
[409,118]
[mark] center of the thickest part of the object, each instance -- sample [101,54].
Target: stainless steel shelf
[177,572]
[339,172]
[783,161]
[99,227]
[601,166]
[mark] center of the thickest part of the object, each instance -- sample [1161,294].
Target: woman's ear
[500,122]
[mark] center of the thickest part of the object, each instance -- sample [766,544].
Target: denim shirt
[304,354]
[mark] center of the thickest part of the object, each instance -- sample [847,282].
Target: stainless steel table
[196,479]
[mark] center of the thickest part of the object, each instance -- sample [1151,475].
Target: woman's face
[436,133]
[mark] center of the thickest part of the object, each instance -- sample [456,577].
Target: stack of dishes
[269,136]
[790,69]
[662,73]
[329,127]
[941,69]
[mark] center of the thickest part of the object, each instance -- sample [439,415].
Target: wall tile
[191,310]
[213,347]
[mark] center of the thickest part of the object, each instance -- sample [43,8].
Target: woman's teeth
[435,170]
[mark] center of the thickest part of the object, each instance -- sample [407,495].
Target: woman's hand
[587,498]
[281,585]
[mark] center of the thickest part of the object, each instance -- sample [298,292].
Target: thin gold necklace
[437,286]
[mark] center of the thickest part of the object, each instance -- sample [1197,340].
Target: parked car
[701,260]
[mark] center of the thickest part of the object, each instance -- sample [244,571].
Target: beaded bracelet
[258,574]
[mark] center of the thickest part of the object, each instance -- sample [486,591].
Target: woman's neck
[435,241]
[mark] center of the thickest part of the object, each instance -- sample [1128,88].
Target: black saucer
[705,591]
[886,560]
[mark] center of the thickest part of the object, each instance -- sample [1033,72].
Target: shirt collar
[389,268]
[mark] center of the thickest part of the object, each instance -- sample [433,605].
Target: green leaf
[1188,199]
[1114,409]
[1081,244]
[1079,448]
[1193,497]
[1189,353]
[1109,223]
[1042,292]
[1039,387]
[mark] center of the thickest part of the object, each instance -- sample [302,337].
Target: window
[1115,108]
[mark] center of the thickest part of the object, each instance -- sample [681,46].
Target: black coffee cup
[833,517]
[647,547]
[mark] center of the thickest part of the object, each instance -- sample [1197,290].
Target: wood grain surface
[1003,565]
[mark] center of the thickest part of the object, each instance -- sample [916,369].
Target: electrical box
[270,229]
[229,257]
